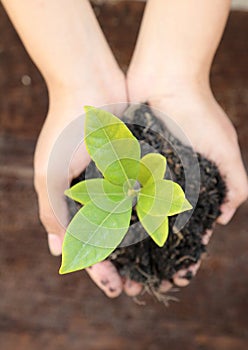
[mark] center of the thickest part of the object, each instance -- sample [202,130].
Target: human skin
[174,51]
[65,41]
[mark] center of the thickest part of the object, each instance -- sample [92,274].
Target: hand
[79,68]
[210,132]
[61,156]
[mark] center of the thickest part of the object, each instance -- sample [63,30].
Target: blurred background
[40,309]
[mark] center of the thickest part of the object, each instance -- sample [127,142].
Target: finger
[179,278]
[165,286]
[237,187]
[182,278]
[107,278]
[132,288]
[195,267]
[206,237]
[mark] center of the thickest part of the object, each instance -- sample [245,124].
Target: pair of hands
[60,156]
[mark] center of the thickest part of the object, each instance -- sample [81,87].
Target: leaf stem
[132,192]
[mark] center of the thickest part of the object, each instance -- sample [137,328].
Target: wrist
[145,85]
[98,91]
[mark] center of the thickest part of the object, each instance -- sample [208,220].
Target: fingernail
[55,244]
[227,214]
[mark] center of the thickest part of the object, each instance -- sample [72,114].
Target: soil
[138,257]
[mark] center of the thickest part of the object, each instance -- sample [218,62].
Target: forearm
[56,35]
[183,37]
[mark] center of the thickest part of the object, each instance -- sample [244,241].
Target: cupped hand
[198,115]
[60,156]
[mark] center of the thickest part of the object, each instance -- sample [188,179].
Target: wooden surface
[40,309]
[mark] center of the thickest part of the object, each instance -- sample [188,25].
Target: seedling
[103,221]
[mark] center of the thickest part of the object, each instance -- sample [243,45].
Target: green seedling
[103,221]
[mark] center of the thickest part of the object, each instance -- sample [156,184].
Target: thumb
[53,212]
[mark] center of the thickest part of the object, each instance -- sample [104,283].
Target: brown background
[40,309]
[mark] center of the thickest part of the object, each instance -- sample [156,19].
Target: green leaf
[76,255]
[156,201]
[100,192]
[112,146]
[98,227]
[93,234]
[152,168]
[156,226]
[162,197]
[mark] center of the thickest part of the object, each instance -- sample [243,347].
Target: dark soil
[144,261]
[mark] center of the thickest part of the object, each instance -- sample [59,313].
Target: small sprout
[101,224]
